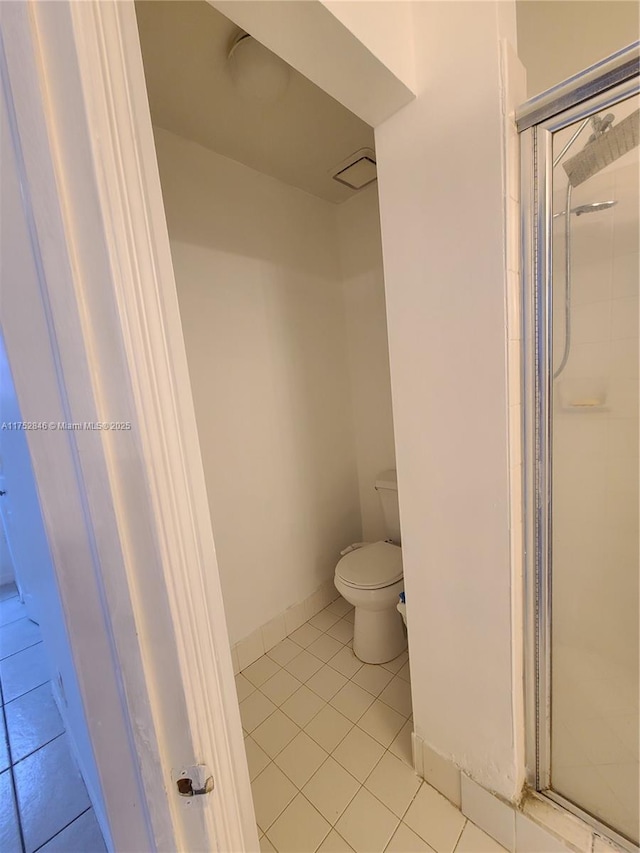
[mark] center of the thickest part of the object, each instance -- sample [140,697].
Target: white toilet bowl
[371,579]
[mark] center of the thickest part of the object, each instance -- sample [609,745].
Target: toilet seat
[372,566]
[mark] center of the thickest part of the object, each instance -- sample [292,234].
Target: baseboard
[534,824]
[94,796]
[439,772]
[267,636]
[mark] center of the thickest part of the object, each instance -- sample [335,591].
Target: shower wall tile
[624,318]
[590,282]
[626,274]
[591,322]
[624,358]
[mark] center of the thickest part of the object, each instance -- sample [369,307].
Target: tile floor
[328,743]
[43,801]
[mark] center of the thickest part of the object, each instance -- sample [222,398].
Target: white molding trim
[112,74]
[268,635]
[114,330]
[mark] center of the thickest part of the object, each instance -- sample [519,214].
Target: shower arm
[571,141]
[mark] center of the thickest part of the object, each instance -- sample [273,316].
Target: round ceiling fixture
[258,74]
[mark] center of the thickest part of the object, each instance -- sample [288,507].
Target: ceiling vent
[358,170]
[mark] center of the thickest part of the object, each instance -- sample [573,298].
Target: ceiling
[300,139]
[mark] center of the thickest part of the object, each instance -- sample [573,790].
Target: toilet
[370,577]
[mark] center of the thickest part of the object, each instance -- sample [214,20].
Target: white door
[19,503]
[91,326]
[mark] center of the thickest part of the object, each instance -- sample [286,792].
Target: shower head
[591,208]
[587,208]
[604,147]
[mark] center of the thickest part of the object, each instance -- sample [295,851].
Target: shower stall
[580,181]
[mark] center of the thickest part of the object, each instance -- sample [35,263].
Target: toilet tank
[387,488]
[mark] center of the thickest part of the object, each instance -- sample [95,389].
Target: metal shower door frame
[538,119]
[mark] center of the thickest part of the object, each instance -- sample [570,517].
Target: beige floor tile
[331,789]
[275,733]
[358,753]
[405,672]
[255,709]
[396,664]
[284,651]
[257,758]
[401,744]
[280,687]
[406,841]
[326,682]
[435,819]
[244,687]
[346,662]
[266,846]
[381,722]
[474,840]
[324,620]
[393,783]
[328,728]
[272,792]
[334,843]
[372,678]
[340,607]
[305,635]
[352,701]
[299,829]
[397,694]
[303,666]
[367,825]
[325,647]
[341,631]
[300,759]
[350,615]
[260,671]
[302,706]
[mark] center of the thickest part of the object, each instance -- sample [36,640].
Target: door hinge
[194,780]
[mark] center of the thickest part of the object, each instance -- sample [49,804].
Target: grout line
[30,646]
[386,749]
[31,689]
[26,648]
[14,789]
[77,817]
[42,746]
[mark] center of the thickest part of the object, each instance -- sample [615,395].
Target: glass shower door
[581,204]
[593,580]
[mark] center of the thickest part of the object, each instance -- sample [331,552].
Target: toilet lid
[371,567]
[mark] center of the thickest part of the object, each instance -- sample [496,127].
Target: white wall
[261,303]
[367,344]
[560,38]
[386,29]
[441,200]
